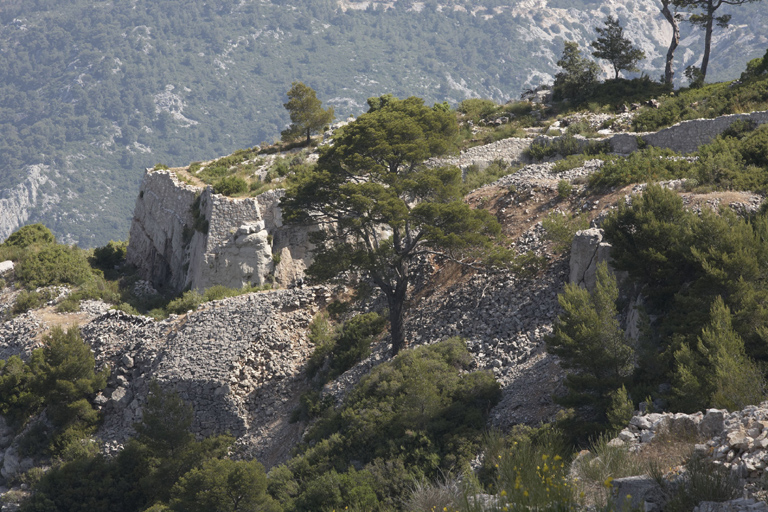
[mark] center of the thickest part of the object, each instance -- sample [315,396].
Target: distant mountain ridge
[94,92]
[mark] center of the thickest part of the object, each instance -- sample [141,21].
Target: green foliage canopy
[578,76]
[29,235]
[385,207]
[307,114]
[223,485]
[413,417]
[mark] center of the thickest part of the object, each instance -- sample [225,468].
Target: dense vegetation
[60,380]
[409,419]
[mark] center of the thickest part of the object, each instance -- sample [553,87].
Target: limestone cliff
[17,204]
[184,236]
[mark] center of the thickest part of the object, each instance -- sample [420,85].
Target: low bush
[528,469]
[53,265]
[408,419]
[701,481]
[643,166]
[337,349]
[59,377]
[476,108]
[30,235]
[27,300]
[110,255]
[475,178]
[230,186]
[708,101]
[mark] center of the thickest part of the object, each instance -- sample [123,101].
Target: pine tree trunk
[396,303]
[669,73]
[707,40]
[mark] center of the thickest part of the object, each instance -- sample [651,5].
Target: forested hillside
[96,91]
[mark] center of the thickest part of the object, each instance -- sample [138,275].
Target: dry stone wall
[684,137]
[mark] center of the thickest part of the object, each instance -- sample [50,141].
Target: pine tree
[307,114]
[579,74]
[703,16]
[717,371]
[615,48]
[591,345]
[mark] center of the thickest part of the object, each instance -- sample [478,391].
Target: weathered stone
[713,423]
[587,250]
[632,493]
[739,440]
[188,237]
[6,267]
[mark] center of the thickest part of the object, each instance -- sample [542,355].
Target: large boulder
[588,249]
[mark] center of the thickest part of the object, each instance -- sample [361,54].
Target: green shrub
[422,412]
[230,186]
[27,300]
[621,409]
[605,462]
[643,166]
[756,67]
[322,334]
[565,146]
[591,346]
[354,341]
[58,377]
[564,189]
[701,481]
[187,302]
[476,108]
[572,162]
[53,265]
[528,469]
[223,485]
[110,255]
[475,178]
[338,349]
[709,101]
[30,235]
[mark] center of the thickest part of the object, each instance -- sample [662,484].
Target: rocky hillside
[150,82]
[243,362]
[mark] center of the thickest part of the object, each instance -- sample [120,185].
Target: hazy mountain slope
[96,91]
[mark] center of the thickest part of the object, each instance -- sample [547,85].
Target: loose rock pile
[543,175]
[19,336]
[737,440]
[237,361]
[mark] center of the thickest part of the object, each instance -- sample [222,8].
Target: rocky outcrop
[188,237]
[737,440]
[588,250]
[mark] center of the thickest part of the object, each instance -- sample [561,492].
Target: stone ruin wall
[684,137]
[235,250]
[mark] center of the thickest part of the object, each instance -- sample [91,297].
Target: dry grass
[665,453]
